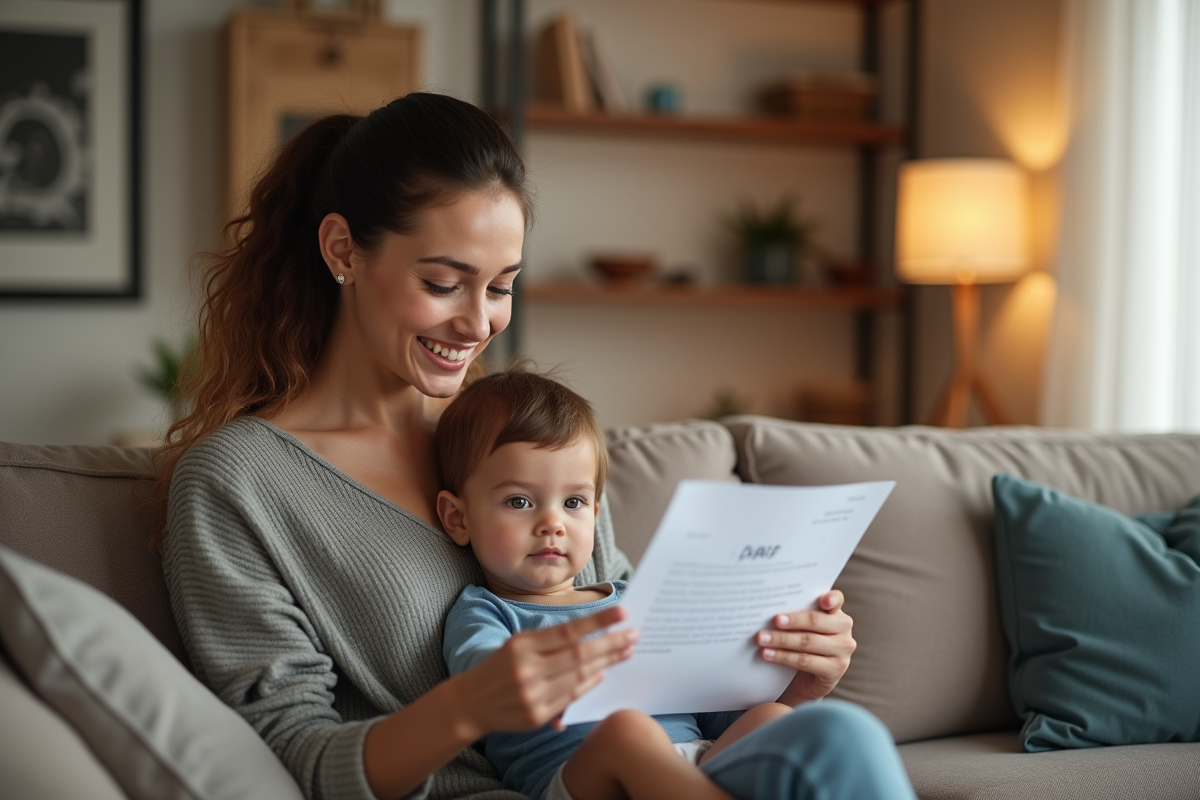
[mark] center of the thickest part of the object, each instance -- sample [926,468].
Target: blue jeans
[830,750]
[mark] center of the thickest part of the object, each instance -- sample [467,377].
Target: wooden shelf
[745,129]
[714,295]
[831,2]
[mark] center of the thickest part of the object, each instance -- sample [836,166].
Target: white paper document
[727,557]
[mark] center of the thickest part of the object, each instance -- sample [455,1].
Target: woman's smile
[450,355]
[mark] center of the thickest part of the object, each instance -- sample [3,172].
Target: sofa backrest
[646,464]
[74,508]
[932,660]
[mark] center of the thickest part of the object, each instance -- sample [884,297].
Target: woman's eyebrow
[454,263]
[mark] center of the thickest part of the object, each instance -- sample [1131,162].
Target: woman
[305,564]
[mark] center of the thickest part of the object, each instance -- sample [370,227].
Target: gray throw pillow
[158,730]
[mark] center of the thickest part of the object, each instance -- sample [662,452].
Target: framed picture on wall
[69,149]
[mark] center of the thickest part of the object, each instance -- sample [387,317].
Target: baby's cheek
[583,550]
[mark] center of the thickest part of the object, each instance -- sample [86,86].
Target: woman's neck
[350,391]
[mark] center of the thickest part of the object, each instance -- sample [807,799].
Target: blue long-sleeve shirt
[478,624]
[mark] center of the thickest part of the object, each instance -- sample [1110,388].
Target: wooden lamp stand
[951,410]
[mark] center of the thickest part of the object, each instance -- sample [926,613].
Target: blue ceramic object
[664,98]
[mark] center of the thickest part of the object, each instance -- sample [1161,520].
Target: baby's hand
[818,644]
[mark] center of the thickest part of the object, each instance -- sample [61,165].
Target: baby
[523,465]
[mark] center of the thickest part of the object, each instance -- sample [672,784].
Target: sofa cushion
[74,508]
[921,586]
[1102,615]
[158,731]
[649,461]
[993,765]
[41,756]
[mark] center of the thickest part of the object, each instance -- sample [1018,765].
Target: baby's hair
[513,406]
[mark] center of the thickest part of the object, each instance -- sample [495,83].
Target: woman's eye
[503,291]
[438,289]
[574,503]
[519,503]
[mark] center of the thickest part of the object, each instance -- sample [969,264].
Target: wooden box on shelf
[286,69]
[844,98]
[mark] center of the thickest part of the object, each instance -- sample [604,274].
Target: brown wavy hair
[515,405]
[269,302]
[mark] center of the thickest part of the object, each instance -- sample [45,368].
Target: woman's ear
[454,518]
[337,245]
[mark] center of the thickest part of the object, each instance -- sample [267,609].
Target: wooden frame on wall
[286,70]
[70,149]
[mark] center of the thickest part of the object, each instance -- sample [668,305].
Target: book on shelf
[608,90]
[562,72]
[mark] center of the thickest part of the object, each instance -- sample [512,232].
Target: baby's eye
[574,503]
[519,503]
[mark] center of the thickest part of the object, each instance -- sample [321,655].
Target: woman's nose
[472,321]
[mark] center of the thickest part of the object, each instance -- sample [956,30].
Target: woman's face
[428,302]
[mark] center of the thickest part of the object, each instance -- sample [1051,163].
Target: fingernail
[769,653]
[632,636]
[782,619]
[764,638]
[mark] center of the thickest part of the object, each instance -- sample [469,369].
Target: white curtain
[1125,348]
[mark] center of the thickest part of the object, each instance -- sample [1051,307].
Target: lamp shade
[962,220]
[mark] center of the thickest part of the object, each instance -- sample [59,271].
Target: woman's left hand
[816,643]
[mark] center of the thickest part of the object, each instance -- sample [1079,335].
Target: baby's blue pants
[830,750]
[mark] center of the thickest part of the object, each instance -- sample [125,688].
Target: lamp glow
[962,220]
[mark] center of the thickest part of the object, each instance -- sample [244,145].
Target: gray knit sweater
[314,607]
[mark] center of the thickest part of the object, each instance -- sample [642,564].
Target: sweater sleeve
[248,638]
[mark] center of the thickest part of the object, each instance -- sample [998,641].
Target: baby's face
[530,514]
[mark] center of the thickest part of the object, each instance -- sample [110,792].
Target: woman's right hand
[535,675]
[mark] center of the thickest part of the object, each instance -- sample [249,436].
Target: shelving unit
[867,138]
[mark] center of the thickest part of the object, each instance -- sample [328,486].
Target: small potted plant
[165,376]
[772,240]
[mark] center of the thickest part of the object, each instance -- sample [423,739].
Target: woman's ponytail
[269,300]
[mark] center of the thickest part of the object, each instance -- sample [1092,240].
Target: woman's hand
[816,643]
[536,674]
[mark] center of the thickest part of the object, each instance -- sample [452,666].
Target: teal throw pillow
[1102,616]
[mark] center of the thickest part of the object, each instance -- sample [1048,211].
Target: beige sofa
[931,661]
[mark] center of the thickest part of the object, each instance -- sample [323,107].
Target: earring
[340,278]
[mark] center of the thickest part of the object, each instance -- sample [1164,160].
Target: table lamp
[962,222]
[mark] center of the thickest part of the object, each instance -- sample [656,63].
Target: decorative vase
[771,262]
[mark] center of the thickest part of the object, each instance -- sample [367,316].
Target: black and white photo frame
[70,149]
